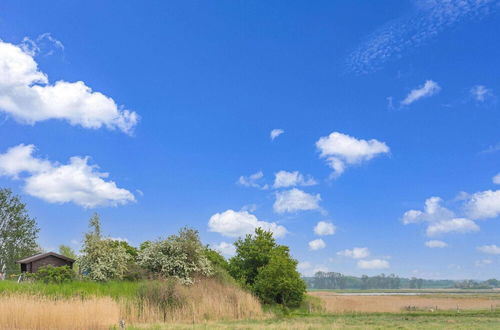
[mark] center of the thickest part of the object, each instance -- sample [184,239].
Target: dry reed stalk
[35,312]
[395,304]
[203,301]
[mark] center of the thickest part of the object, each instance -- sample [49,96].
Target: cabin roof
[44,255]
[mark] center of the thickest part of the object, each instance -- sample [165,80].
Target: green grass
[419,320]
[78,288]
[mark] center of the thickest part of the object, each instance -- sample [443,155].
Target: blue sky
[159,115]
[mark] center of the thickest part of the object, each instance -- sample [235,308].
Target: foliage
[102,259]
[18,231]
[132,251]
[51,274]
[278,281]
[181,256]
[67,252]
[252,253]
[267,269]
[216,259]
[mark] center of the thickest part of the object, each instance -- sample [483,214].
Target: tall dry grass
[394,304]
[36,312]
[206,300]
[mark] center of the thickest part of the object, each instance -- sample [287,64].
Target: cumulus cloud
[284,179]
[484,205]
[235,224]
[428,89]
[496,179]
[373,264]
[355,253]
[226,249]
[324,228]
[341,150]
[275,133]
[457,225]
[439,219]
[433,211]
[317,244]
[76,182]
[27,95]
[253,181]
[428,19]
[490,249]
[295,200]
[480,93]
[436,244]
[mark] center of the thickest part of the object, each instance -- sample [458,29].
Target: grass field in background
[417,320]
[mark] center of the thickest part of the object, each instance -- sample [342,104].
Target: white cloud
[235,224]
[317,244]
[433,212]
[324,228]
[439,219]
[456,225]
[75,182]
[341,150]
[27,96]
[484,205]
[276,132]
[295,200]
[428,89]
[436,244]
[226,249]
[373,264]
[481,93]
[496,179]
[414,29]
[252,180]
[490,249]
[355,253]
[284,179]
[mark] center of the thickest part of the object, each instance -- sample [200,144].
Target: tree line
[260,265]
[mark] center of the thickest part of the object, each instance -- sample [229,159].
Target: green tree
[67,251]
[18,231]
[102,259]
[181,256]
[216,259]
[252,253]
[278,281]
[267,269]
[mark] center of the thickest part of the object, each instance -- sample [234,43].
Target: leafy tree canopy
[18,231]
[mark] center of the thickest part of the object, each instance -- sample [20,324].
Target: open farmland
[380,303]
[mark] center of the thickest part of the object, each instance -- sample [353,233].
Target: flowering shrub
[181,256]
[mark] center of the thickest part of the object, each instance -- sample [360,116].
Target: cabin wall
[50,260]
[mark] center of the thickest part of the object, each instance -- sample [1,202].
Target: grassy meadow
[211,304]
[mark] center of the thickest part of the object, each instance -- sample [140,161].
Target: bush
[279,282]
[51,274]
[162,295]
[180,256]
[267,269]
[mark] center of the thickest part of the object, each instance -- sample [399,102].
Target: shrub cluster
[50,274]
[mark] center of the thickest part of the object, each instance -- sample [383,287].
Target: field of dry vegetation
[207,300]
[210,304]
[335,303]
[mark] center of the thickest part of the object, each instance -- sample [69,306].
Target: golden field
[336,303]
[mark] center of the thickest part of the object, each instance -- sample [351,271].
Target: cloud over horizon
[76,182]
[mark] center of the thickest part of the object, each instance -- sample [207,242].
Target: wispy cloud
[276,132]
[426,21]
[428,89]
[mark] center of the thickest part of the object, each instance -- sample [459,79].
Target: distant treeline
[332,280]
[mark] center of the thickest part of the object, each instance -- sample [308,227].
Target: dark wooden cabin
[31,264]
